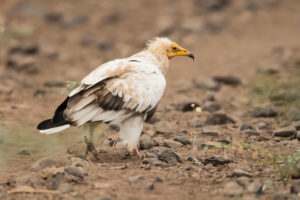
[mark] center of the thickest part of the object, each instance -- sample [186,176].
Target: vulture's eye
[174,48]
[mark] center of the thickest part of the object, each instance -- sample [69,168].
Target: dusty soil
[45,43]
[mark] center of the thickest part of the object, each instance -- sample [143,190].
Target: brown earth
[45,43]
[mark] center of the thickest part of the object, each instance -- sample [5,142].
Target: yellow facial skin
[176,50]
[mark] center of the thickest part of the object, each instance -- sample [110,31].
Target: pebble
[240,172]
[147,142]
[268,111]
[53,16]
[26,49]
[211,106]
[217,118]
[182,140]
[295,188]
[247,126]
[171,144]
[170,157]
[43,163]
[24,152]
[263,124]
[285,132]
[24,180]
[232,189]
[22,64]
[217,160]
[210,132]
[255,187]
[228,80]
[243,181]
[250,133]
[76,171]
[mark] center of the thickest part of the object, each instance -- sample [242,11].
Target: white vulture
[124,91]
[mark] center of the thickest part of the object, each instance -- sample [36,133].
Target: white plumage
[123,90]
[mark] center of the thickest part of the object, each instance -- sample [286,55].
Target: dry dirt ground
[231,150]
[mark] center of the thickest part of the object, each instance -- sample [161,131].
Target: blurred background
[252,47]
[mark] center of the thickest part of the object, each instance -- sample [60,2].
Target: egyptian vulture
[125,91]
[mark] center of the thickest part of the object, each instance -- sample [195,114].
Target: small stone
[268,111]
[59,84]
[240,172]
[22,64]
[285,132]
[293,114]
[78,162]
[217,118]
[24,152]
[76,171]
[135,181]
[43,163]
[263,124]
[182,140]
[246,126]
[170,157]
[211,106]
[228,80]
[158,180]
[210,132]
[255,187]
[155,151]
[171,144]
[147,142]
[195,123]
[232,189]
[105,46]
[39,92]
[207,84]
[27,49]
[243,181]
[250,133]
[217,160]
[295,188]
[25,180]
[53,16]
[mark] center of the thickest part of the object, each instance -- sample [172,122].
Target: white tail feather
[55,129]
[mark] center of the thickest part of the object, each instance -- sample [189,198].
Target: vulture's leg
[130,132]
[90,147]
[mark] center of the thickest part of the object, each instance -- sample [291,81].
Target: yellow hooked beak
[176,50]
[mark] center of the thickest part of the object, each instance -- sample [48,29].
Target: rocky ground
[228,126]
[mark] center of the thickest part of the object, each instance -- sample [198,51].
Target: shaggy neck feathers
[158,47]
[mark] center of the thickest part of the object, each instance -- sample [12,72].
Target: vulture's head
[165,47]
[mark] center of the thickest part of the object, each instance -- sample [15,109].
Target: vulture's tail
[57,123]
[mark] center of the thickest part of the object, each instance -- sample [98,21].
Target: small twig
[33,191]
